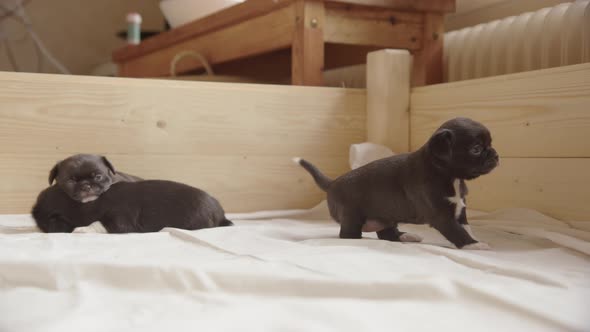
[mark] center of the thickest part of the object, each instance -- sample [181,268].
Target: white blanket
[292,273]
[288,271]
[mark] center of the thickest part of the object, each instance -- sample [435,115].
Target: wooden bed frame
[237,140]
[318,33]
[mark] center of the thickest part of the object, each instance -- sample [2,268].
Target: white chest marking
[457,200]
[467,228]
[89,199]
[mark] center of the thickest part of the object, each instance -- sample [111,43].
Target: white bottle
[133,28]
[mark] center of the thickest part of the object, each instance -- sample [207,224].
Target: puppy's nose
[494,154]
[86,187]
[493,161]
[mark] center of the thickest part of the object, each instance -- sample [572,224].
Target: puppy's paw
[467,228]
[409,237]
[477,246]
[95,227]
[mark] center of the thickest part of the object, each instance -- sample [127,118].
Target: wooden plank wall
[234,140]
[540,124]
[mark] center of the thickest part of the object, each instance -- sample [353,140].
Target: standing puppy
[422,187]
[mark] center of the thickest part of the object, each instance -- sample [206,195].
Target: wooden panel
[232,15]
[235,140]
[241,183]
[416,5]
[262,34]
[308,43]
[373,27]
[428,61]
[559,187]
[542,113]
[388,98]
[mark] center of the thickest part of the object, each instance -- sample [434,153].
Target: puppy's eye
[476,150]
[98,177]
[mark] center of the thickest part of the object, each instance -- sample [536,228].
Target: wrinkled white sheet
[288,271]
[292,273]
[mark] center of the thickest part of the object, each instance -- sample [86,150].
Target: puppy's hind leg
[351,226]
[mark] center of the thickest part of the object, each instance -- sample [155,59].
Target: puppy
[423,187]
[145,206]
[84,177]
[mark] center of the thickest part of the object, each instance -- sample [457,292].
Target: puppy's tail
[320,179]
[225,222]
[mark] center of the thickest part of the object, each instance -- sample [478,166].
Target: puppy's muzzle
[493,159]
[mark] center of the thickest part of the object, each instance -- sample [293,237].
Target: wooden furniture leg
[388,98]
[307,62]
[428,61]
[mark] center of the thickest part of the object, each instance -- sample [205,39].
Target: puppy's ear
[53,173]
[108,164]
[441,144]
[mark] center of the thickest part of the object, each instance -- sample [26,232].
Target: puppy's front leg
[393,234]
[55,224]
[456,234]
[95,227]
[463,222]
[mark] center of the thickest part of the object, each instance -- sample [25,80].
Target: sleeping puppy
[84,177]
[145,206]
[423,187]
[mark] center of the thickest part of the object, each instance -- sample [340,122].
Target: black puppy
[145,206]
[423,187]
[84,177]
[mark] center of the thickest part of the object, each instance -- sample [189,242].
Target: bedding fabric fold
[288,271]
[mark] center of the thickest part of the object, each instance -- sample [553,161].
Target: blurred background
[79,36]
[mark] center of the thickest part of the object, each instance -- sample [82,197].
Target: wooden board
[409,5]
[558,187]
[355,25]
[428,61]
[230,43]
[235,140]
[254,8]
[229,16]
[388,98]
[544,113]
[242,183]
[308,43]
